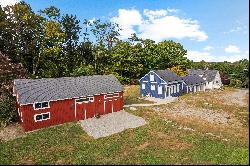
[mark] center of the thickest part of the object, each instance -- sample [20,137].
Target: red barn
[52,101]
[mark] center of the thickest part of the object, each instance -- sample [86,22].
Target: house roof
[47,89]
[193,79]
[168,75]
[208,74]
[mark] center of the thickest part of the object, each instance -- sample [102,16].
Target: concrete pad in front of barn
[111,123]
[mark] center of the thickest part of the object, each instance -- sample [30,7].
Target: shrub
[235,83]
[8,112]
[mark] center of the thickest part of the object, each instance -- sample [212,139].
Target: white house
[212,77]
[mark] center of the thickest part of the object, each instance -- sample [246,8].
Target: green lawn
[132,95]
[157,142]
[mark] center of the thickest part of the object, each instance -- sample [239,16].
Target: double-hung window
[152,87]
[151,77]
[159,89]
[41,105]
[142,86]
[85,99]
[42,117]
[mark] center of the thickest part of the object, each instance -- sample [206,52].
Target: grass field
[163,140]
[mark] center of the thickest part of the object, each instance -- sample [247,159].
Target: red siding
[63,111]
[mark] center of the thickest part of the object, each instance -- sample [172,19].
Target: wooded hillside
[50,44]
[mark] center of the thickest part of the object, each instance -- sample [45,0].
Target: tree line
[50,44]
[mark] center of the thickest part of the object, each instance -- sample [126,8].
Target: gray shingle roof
[193,79]
[46,89]
[208,74]
[168,75]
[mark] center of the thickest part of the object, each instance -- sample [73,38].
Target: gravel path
[111,123]
[237,97]
[156,100]
[211,116]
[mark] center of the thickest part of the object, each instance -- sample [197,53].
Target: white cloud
[127,19]
[153,14]
[198,56]
[158,25]
[208,48]
[232,49]
[238,27]
[172,10]
[4,3]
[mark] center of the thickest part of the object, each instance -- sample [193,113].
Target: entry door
[80,110]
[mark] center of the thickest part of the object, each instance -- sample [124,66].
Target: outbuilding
[161,84]
[193,83]
[212,77]
[53,101]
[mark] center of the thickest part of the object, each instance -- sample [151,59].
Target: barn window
[91,98]
[85,99]
[38,105]
[45,104]
[152,87]
[151,77]
[41,117]
[116,94]
[41,105]
[143,86]
[45,116]
[110,95]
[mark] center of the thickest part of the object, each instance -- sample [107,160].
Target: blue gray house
[193,83]
[161,84]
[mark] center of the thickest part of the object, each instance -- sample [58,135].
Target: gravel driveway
[111,123]
[237,97]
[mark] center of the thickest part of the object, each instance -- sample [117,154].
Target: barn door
[109,103]
[84,108]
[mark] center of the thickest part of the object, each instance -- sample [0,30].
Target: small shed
[193,83]
[161,84]
[52,101]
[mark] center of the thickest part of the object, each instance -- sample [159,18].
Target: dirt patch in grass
[143,146]
[11,132]
[27,161]
[232,130]
[62,148]
[170,141]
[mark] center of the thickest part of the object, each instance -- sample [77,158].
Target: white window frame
[91,98]
[34,105]
[42,116]
[110,97]
[116,94]
[152,87]
[174,89]
[142,86]
[159,87]
[178,88]
[151,77]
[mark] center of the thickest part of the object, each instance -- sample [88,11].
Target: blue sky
[212,30]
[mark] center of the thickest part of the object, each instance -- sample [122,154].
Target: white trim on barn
[42,117]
